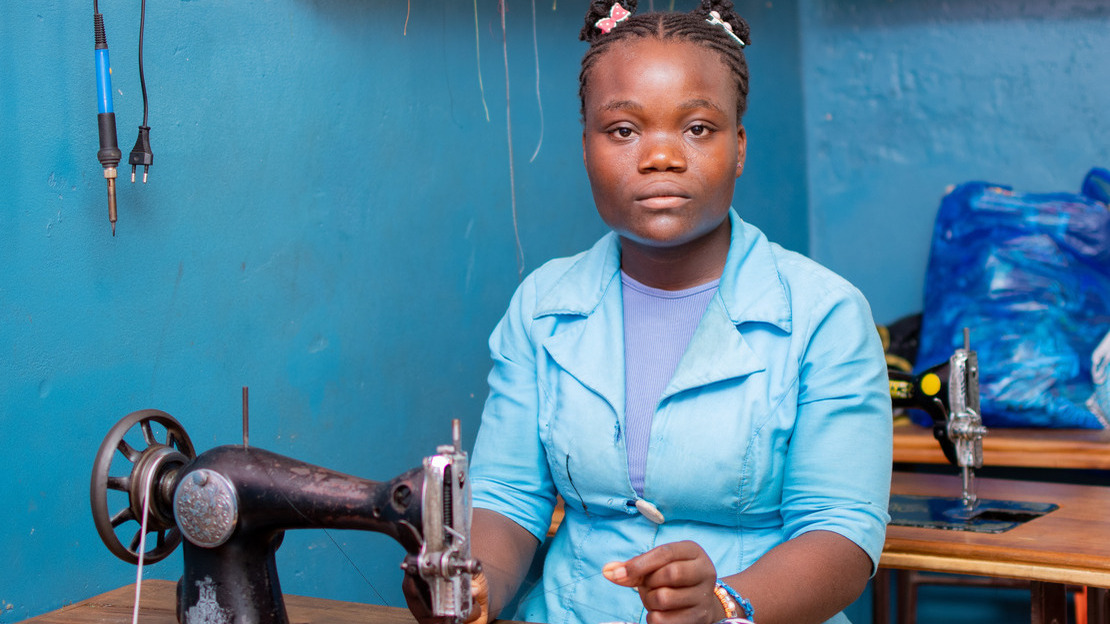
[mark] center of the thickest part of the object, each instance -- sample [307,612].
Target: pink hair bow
[617,14]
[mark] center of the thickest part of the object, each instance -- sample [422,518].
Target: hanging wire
[478,54]
[509,133]
[142,78]
[539,102]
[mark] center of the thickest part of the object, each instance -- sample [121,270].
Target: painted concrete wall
[328,221]
[904,98]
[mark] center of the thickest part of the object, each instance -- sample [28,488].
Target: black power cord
[141,154]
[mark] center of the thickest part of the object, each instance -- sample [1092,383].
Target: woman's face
[661,142]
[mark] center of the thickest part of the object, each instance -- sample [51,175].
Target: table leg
[905,583]
[1098,609]
[1050,603]
[880,597]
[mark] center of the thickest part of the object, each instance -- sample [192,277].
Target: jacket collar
[751,286]
[751,290]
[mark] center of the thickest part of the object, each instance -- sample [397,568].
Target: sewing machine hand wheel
[153,473]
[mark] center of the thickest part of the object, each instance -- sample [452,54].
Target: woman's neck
[679,267]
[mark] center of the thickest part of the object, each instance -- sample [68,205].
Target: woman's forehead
[641,67]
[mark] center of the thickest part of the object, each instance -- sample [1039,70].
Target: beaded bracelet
[731,608]
[741,601]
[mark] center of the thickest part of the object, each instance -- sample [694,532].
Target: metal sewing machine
[949,394]
[233,503]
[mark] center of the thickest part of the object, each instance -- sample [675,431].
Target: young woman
[713,409]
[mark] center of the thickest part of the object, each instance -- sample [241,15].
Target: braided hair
[694,27]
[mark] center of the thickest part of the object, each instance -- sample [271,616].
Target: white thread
[142,548]
[539,102]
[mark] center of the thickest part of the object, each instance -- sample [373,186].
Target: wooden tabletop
[158,605]
[1069,545]
[1087,449]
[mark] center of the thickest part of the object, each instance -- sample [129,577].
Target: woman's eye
[699,130]
[623,133]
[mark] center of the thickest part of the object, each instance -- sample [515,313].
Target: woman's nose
[662,154]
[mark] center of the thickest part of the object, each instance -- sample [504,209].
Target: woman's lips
[661,195]
[661,202]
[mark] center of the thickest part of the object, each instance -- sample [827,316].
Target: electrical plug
[141,154]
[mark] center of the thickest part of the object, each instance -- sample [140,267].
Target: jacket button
[651,512]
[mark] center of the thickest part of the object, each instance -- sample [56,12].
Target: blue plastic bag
[1029,274]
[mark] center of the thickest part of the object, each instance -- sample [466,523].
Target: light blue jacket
[777,422]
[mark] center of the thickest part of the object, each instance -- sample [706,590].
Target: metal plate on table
[988,516]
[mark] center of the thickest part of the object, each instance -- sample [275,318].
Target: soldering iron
[109,154]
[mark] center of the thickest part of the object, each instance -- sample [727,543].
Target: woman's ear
[741,149]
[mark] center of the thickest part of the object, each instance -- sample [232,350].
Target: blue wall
[904,98]
[328,221]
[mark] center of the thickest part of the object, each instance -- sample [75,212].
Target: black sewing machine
[232,504]
[949,394]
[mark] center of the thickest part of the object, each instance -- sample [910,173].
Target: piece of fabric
[776,422]
[1028,274]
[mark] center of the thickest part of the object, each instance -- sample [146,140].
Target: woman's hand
[418,599]
[479,591]
[675,582]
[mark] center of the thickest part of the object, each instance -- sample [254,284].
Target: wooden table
[1069,546]
[1086,449]
[158,605]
